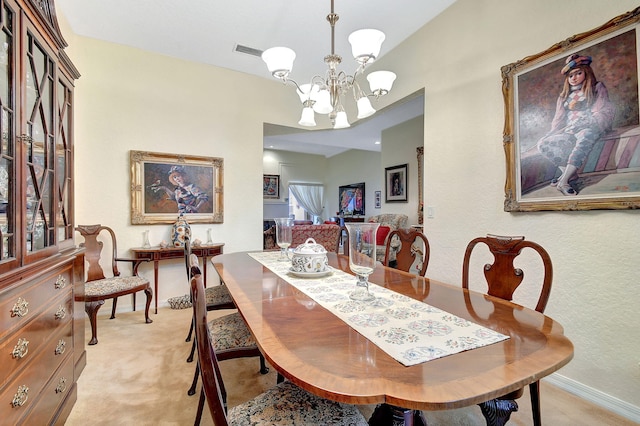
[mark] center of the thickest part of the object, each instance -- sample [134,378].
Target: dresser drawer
[52,396]
[19,348]
[19,305]
[20,394]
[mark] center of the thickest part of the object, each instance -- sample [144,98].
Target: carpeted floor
[138,374]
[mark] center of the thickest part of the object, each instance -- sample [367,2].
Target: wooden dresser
[41,271]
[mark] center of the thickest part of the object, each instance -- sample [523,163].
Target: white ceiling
[208,31]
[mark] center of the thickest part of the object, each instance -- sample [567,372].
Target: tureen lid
[309,247]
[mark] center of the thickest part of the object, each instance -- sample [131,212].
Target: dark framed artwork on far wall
[271,186]
[396,184]
[572,122]
[351,199]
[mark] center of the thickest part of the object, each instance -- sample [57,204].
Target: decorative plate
[310,274]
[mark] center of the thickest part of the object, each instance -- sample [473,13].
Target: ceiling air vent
[248,50]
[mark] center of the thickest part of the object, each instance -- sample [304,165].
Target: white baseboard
[596,397]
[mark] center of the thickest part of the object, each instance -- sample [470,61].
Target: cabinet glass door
[8,206]
[63,161]
[40,148]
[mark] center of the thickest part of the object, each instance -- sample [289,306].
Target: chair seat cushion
[230,333]
[287,404]
[113,285]
[217,295]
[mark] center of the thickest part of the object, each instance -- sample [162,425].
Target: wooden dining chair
[411,251]
[99,286]
[232,336]
[284,403]
[217,297]
[503,279]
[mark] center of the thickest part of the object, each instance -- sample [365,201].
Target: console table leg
[155,283]
[204,266]
[498,411]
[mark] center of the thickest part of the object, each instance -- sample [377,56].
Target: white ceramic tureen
[309,257]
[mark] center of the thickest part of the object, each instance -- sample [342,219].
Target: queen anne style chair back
[294,405]
[100,287]
[411,249]
[503,279]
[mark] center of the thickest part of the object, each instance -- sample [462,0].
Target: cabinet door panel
[8,184]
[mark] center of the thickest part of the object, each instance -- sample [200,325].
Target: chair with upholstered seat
[284,403]
[503,279]
[388,222]
[232,336]
[218,297]
[411,249]
[98,287]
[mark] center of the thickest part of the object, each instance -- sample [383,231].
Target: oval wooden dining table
[317,351]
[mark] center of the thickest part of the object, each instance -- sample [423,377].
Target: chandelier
[324,94]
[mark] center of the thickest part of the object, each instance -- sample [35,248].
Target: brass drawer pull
[61,313]
[61,282]
[60,348]
[62,385]
[21,349]
[20,398]
[21,308]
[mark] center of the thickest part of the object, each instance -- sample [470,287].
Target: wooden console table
[157,254]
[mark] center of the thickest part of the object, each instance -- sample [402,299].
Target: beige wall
[354,166]
[457,59]
[399,145]
[127,99]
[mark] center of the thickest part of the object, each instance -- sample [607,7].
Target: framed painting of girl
[572,122]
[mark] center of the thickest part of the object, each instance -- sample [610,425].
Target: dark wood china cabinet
[41,271]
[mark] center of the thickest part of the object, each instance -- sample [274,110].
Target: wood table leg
[389,415]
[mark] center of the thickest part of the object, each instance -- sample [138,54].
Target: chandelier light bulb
[341,121]
[279,61]
[323,102]
[304,90]
[366,44]
[380,82]
[308,117]
[364,108]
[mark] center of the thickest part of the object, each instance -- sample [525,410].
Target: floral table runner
[410,331]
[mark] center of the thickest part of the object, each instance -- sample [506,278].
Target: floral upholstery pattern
[327,235]
[217,295]
[393,221]
[287,404]
[108,286]
[180,302]
[230,333]
[269,238]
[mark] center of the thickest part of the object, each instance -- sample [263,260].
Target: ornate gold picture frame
[165,185]
[594,136]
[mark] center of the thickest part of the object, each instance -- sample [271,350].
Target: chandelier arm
[286,80]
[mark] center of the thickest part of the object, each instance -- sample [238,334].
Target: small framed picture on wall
[271,186]
[396,184]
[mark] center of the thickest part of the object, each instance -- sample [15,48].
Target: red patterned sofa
[328,235]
